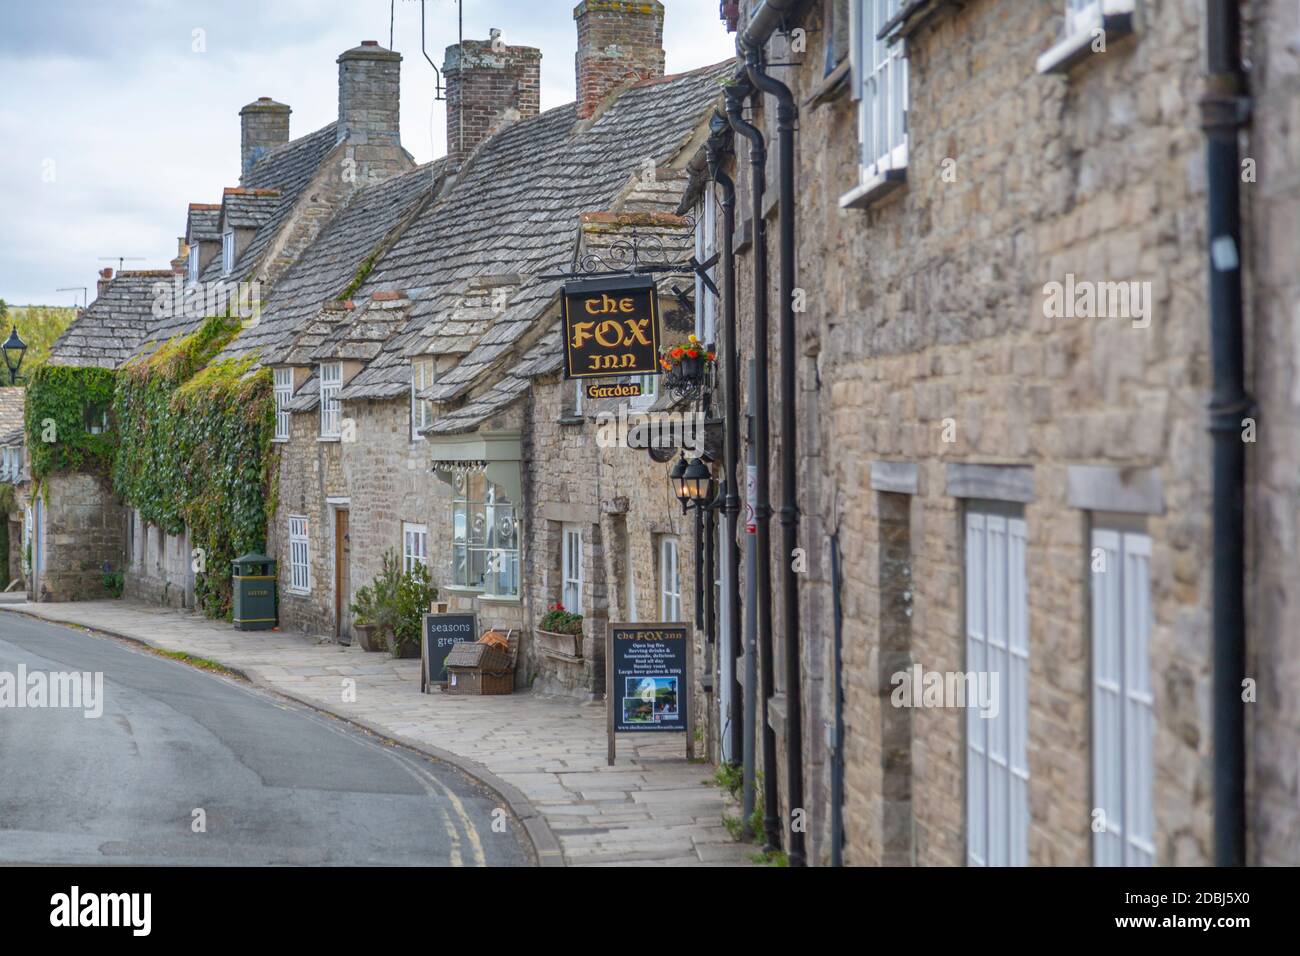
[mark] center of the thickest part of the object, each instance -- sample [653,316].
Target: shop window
[485,536]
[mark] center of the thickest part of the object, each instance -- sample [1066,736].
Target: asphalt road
[278,783]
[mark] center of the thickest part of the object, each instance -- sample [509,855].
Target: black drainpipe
[786,114]
[1224,111]
[731,440]
[763,506]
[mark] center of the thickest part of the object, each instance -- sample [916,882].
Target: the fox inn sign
[611,327]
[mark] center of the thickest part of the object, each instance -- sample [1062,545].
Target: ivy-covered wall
[195,451]
[63,402]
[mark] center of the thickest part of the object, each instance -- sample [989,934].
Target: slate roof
[202,223]
[11,415]
[514,210]
[114,325]
[248,208]
[286,168]
[331,262]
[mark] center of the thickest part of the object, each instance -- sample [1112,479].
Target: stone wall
[1273,298]
[159,566]
[310,472]
[925,322]
[85,530]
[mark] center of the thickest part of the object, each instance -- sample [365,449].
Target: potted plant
[389,611]
[366,614]
[412,596]
[559,633]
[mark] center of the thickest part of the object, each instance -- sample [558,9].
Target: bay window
[485,536]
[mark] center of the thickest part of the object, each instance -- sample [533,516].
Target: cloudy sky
[116,115]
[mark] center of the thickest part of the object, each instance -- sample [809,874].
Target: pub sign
[611,327]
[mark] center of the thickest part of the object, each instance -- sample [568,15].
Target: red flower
[677,352]
[693,353]
[711,356]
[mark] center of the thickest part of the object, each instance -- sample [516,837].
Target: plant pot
[567,647]
[367,638]
[690,368]
[408,650]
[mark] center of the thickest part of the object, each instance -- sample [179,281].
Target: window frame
[670,599]
[417,534]
[299,543]
[422,376]
[192,265]
[997,637]
[1122,700]
[870,59]
[283,392]
[572,581]
[331,409]
[463,511]
[227,252]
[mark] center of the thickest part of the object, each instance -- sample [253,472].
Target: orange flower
[711,356]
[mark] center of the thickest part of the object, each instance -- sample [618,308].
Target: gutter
[1225,108]
[786,115]
[762,609]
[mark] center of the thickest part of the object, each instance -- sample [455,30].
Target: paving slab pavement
[545,756]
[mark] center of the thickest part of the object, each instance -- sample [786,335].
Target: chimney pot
[105,277]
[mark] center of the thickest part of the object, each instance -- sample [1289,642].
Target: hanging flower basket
[685,367]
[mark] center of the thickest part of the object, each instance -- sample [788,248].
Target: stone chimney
[105,277]
[619,42]
[264,125]
[182,257]
[488,83]
[369,101]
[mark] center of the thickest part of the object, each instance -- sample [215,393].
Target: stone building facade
[983,457]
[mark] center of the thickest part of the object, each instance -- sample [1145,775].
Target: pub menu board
[611,327]
[648,680]
[441,631]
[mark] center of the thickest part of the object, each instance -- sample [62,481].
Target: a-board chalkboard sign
[441,631]
[648,674]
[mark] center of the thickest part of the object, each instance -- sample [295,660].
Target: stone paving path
[546,756]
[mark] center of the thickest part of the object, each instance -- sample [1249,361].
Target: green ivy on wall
[63,404]
[195,450]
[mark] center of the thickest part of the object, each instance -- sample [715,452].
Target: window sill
[329,438]
[875,189]
[572,420]
[478,593]
[280,441]
[297,593]
[493,599]
[1116,22]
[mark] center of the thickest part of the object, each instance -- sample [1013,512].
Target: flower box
[566,647]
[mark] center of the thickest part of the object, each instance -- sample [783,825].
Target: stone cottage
[423,406]
[1000,364]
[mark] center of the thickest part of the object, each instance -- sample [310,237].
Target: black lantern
[678,478]
[14,349]
[698,483]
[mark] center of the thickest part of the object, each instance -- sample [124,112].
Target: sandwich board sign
[441,631]
[648,675]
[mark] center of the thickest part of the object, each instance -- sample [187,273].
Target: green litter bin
[255,595]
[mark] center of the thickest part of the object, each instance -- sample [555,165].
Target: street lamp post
[14,349]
